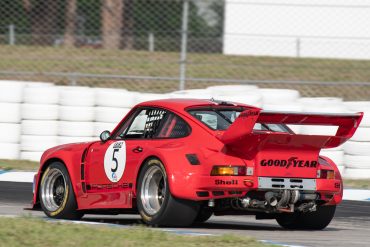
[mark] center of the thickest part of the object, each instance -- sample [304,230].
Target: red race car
[180,161]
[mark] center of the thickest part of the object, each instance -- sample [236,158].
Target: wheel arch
[140,168]
[174,176]
[42,169]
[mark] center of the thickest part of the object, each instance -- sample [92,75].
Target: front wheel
[155,203]
[56,194]
[316,220]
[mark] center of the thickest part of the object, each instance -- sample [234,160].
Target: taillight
[326,174]
[228,171]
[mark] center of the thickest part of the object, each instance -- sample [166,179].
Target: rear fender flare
[338,197]
[177,179]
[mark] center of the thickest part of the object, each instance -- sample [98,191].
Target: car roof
[182,104]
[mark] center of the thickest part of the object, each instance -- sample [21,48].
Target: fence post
[73,79]
[298,47]
[184,41]
[151,44]
[11,34]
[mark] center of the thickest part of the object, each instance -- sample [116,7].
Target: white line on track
[280,244]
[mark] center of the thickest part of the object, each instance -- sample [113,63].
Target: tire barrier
[9,151]
[40,127]
[39,112]
[84,129]
[118,98]
[35,116]
[110,114]
[77,113]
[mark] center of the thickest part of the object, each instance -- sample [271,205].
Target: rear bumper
[217,187]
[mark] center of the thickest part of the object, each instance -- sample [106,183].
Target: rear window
[221,119]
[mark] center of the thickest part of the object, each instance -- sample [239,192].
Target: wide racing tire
[203,215]
[155,203]
[56,194]
[316,220]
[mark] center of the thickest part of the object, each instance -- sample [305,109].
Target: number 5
[114,159]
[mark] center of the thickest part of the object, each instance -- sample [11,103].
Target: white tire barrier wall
[279,96]
[39,112]
[41,95]
[110,114]
[117,98]
[35,116]
[192,93]
[77,96]
[10,112]
[99,127]
[357,151]
[11,95]
[9,150]
[149,96]
[40,128]
[32,143]
[77,113]
[76,129]
[74,139]
[32,156]
[11,91]
[10,132]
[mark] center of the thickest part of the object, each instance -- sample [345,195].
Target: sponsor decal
[249,113]
[226,182]
[291,162]
[108,186]
[115,161]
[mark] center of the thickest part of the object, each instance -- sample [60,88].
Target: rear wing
[244,124]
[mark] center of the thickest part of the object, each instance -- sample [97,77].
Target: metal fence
[321,48]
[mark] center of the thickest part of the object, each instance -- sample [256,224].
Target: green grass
[357,183]
[35,232]
[166,64]
[30,165]
[143,63]
[24,165]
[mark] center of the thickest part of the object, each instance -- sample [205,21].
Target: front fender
[70,155]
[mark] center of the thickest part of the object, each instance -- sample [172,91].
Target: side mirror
[105,136]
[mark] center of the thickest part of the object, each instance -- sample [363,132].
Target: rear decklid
[284,154]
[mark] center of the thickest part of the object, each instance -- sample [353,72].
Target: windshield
[221,119]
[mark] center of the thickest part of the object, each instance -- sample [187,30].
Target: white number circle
[115,161]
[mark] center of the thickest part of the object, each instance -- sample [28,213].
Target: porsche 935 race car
[180,161]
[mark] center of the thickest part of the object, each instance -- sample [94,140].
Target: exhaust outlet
[271,199]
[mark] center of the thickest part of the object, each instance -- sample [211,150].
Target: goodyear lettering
[291,162]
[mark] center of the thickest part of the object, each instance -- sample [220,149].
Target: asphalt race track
[350,227]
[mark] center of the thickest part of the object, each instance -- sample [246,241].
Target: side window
[145,124]
[173,127]
[154,123]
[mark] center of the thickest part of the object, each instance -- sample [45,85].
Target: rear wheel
[155,203]
[203,215]
[316,220]
[56,194]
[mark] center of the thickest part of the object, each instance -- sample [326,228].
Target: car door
[111,166]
